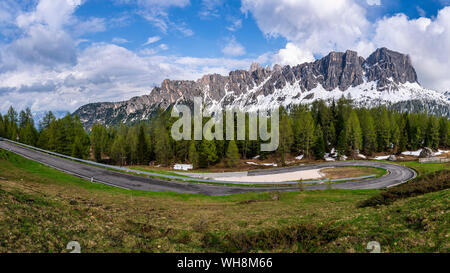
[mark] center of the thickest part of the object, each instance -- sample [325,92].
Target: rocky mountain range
[385,77]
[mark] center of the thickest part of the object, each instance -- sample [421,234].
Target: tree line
[305,130]
[65,135]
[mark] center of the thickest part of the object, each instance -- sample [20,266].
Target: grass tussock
[304,237]
[432,182]
[43,209]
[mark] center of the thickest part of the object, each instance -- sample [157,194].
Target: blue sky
[60,54]
[206,28]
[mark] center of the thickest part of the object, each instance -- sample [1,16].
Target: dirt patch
[347,172]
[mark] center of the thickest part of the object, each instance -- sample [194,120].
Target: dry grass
[349,172]
[42,209]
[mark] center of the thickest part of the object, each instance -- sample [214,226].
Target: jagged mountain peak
[388,66]
[385,77]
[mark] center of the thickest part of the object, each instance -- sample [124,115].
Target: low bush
[306,238]
[436,181]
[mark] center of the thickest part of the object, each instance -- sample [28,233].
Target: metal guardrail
[123,169]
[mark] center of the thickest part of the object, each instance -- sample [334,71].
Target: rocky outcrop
[392,158]
[261,87]
[387,67]
[426,153]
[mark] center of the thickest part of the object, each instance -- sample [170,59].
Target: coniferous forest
[311,131]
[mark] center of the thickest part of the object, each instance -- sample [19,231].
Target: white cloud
[118,40]
[374,2]
[320,26]
[293,55]
[156,12]
[43,40]
[152,40]
[233,48]
[165,3]
[210,8]
[105,72]
[235,24]
[426,40]
[163,47]
[46,35]
[91,25]
[316,25]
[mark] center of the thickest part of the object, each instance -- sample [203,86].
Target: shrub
[433,182]
[307,238]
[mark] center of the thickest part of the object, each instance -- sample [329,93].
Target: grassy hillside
[43,209]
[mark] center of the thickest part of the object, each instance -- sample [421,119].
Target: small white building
[184,167]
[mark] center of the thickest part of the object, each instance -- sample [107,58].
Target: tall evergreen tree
[286,137]
[232,154]
[2,126]
[319,145]
[48,118]
[432,133]
[353,132]
[369,136]
[193,155]
[444,129]
[142,150]
[162,145]
[208,155]
[305,133]
[383,131]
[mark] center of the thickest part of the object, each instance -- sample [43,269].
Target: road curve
[396,175]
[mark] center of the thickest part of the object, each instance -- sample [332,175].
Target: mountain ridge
[385,77]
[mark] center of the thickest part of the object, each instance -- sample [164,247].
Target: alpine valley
[385,78]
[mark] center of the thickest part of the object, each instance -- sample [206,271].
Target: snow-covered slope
[384,78]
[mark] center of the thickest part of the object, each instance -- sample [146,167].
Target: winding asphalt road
[396,175]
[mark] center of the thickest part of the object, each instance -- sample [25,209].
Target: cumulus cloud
[210,8]
[293,55]
[316,25]
[374,2]
[152,40]
[43,40]
[426,40]
[233,48]
[118,40]
[156,12]
[235,24]
[44,68]
[105,72]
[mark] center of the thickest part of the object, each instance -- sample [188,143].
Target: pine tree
[342,143]
[96,140]
[432,133]
[443,132]
[48,118]
[77,150]
[383,132]
[30,134]
[319,146]
[162,145]
[142,147]
[403,141]
[11,125]
[2,126]
[193,155]
[395,136]
[305,133]
[353,132]
[368,133]
[208,155]
[286,137]
[118,150]
[232,154]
